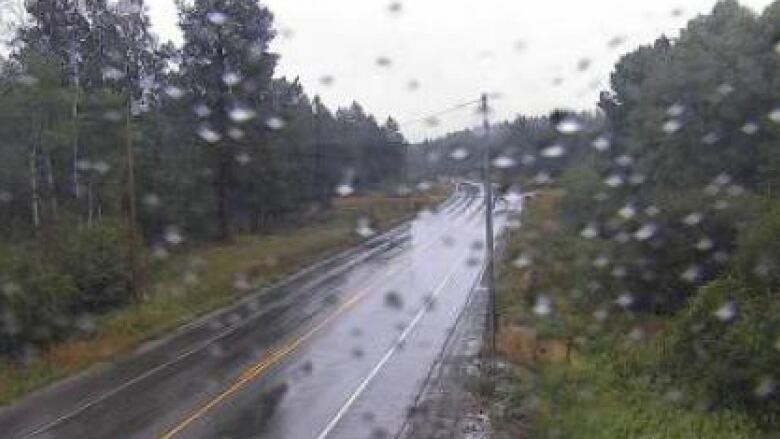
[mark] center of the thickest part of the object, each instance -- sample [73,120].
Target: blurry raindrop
[231,79]
[727,312]
[503,162]
[384,61]
[275,123]
[704,244]
[432,121]
[693,219]
[217,18]
[624,160]
[710,139]
[627,212]
[208,134]
[600,314]
[395,8]
[543,306]
[614,181]
[691,274]
[750,128]
[152,201]
[553,151]
[569,125]
[173,236]
[202,111]
[112,73]
[235,133]
[677,12]
[589,232]
[394,300]
[344,190]
[672,126]
[625,300]
[557,81]
[645,232]
[725,89]
[459,154]
[601,261]
[675,110]
[327,80]
[636,179]
[240,114]
[174,92]
[243,159]
[774,115]
[357,352]
[765,388]
[583,64]
[101,167]
[519,45]
[601,144]
[616,41]
[6,197]
[364,229]
[413,85]
[522,261]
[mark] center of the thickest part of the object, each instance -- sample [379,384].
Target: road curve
[338,351]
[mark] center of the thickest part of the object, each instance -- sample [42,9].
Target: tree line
[668,209]
[113,144]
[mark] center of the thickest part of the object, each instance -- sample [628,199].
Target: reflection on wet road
[358,345]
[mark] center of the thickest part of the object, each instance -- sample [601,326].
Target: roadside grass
[604,385]
[195,281]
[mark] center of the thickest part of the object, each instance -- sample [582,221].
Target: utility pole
[489,246]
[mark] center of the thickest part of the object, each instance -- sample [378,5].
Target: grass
[604,388]
[195,282]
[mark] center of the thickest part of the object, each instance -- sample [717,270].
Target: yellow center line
[277,354]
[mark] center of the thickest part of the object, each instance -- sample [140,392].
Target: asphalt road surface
[339,351]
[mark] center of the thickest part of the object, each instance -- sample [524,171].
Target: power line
[432,116]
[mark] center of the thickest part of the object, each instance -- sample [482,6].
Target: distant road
[339,351]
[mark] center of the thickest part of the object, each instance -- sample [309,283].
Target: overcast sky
[455,49]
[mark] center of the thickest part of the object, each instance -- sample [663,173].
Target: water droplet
[243,159]
[616,41]
[231,79]
[522,261]
[601,144]
[364,229]
[614,181]
[174,92]
[112,73]
[543,306]
[344,190]
[583,64]
[413,85]
[173,236]
[217,18]
[384,61]
[705,244]
[645,232]
[240,114]
[765,388]
[459,154]
[750,128]
[624,160]
[208,134]
[395,8]
[235,133]
[327,80]
[569,125]
[693,219]
[503,162]
[725,89]
[202,111]
[553,151]
[625,300]
[627,212]
[589,232]
[275,123]
[672,126]
[394,300]
[727,312]
[774,115]
[691,274]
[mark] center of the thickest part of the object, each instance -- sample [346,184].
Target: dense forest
[658,230]
[115,147]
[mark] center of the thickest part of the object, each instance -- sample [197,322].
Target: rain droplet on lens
[589,232]
[326,80]
[645,232]
[543,306]
[174,92]
[750,128]
[672,126]
[394,300]
[726,312]
[395,8]
[384,61]
[344,190]
[503,162]
[231,79]
[275,123]
[601,144]
[569,125]
[459,154]
[240,114]
[208,134]
[774,115]
[553,151]
[364,229]
[583,64]
[217,18]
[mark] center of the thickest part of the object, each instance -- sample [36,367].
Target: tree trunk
[51,188]
[34,190]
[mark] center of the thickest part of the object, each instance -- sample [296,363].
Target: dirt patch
[520,344]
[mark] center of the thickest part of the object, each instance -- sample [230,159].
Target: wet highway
[339,351]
